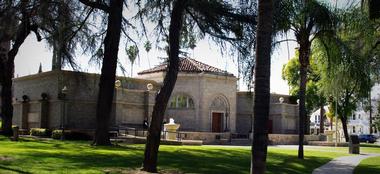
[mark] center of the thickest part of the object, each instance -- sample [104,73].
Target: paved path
[342,165]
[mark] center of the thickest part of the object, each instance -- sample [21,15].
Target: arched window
[353,129]
[181,101]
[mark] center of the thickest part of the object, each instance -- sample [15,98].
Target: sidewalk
[342,165]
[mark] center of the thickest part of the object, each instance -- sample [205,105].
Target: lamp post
[336,120]
[117,84]
[149,87]
[62,96]
[281,99]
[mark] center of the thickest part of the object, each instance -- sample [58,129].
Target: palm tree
[308,19]
[148,47]
[132,53]
[262,86]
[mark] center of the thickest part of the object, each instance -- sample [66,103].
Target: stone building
[66,99]
[205,99]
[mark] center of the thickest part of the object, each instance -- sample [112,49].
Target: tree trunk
[7,73]
[6,100]
[262,86]
[304,53]
[132,70]
[108,73]
[58,40]
[344,124]
[162,98]
[322,120]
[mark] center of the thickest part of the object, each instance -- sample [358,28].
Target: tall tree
[109,65]
[218,19]
[153,139]
[352,62]
[308,19]
[24,17]
[24,11]
[262,86]
[314,94]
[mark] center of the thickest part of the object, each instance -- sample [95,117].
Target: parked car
[367,138]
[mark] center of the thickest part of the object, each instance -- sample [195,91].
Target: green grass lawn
[52,156]
[369,165]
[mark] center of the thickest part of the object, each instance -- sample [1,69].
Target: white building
[315,120]
[358,122]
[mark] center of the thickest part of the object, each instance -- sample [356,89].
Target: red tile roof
[188,65]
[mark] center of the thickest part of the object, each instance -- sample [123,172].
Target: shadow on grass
[12,170]
[367,169]
[56,156]
[370,145]
[225,161]
[285,163]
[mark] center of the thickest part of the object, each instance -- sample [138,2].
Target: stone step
[241,142]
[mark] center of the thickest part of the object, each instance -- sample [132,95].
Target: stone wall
[78,109]
[290,139]
[206,137]
[133,106]
[284,116]
[244,112]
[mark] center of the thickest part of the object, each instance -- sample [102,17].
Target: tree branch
[81,25]
[97,5]
[285,40]
[34,28]
[206,31]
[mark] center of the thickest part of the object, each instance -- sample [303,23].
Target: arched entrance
[219,114]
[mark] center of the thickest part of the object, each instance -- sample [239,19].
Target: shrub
[40,132]
[76,135]
[56,134]
[70,135]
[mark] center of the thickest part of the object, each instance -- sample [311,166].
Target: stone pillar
[146,106]
[44,108]
[24,114]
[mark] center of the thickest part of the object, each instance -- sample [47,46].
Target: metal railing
[141,132]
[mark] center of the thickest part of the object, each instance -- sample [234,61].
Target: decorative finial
[40,68]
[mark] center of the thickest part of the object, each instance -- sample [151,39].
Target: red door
[216,122]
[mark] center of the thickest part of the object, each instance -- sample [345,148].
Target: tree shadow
[56,156]
[370,145]
[13,170]
[367,169]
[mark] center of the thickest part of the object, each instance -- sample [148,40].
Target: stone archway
[219,114]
